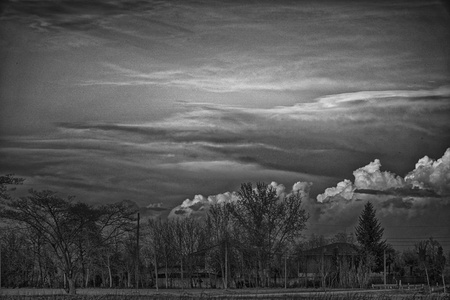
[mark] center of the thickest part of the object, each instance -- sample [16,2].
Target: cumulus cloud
[280,188]
[432,174]
[421,196]
[429,174]
[199,205]
[344,189]
[302,188]
[370,177]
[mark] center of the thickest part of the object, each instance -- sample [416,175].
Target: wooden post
[306,271]
[182,272]
[226,265]
[156,265]
[285,271]
[323,268]
[443,282]
[384,254]
[136,270]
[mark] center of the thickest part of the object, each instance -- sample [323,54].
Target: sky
[166,103]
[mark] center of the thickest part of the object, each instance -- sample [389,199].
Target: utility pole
[384,254]
[226,265]
[136,275]
[285,271]
[156,264]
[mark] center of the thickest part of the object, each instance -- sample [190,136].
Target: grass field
[141,294]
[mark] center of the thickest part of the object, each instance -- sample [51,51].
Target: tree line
[50,241]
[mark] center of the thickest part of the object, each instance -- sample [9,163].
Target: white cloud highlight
[241,77]
[199,205]
[432,174]
[370,177]
[370,96]
[428,174]
[344,189]
[394,198]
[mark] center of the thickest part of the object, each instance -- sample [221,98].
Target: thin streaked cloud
[223,80]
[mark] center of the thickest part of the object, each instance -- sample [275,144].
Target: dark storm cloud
[157,133]
[403,192]
[342,126]
[100,171]
[66,24]
[147,133]
[231,133]
[291,157]
[80,13]
[354,121]
[327,138]
[287,138]
[397,203]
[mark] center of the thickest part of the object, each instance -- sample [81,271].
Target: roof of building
[333,249]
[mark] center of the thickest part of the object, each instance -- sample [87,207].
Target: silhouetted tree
[410,260]
[222,237]
[431,259]
[268,220]
[72,229]
[369,234]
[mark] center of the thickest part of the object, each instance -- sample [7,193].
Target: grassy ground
[141,294]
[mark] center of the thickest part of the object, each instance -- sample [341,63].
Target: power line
[385,227]
[419,238]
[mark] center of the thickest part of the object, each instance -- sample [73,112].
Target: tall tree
[55,218]
[431,260]
[269,220]
[219,225]
[188,239]
[72,229]
[369,234]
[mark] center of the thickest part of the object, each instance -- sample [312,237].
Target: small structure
[198,278]
[328,265]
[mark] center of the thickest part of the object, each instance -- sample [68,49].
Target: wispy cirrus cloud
[205,147]
[292,136]
[221,79]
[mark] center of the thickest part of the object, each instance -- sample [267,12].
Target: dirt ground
[250,293]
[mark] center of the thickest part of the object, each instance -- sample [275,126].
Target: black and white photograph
[224,149]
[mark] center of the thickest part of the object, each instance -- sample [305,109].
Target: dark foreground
[141,294]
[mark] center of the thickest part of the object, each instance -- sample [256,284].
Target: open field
[141,294]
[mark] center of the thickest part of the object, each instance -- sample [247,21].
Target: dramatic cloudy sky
[160,101]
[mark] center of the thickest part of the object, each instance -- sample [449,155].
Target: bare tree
[188,236]
[422,249]
[219,225]
[431,260]
[157,247]
[268,220]
[72,229]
